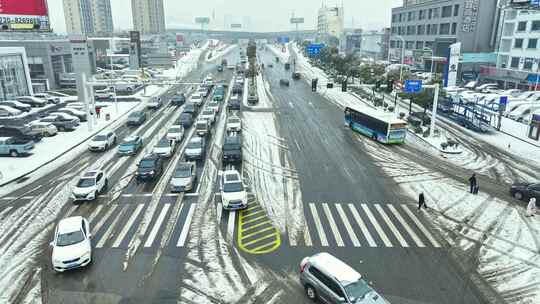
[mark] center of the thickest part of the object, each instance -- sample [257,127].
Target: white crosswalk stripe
[375,224]
[111,228]
[95,213]
[127,226]
[157,224]
[185,228]
[391,225]
[362,226]
[71,210]
[318,225]
[333,225]
[413,235]
[230,225]
[421,226]
[348,226]
[104,218]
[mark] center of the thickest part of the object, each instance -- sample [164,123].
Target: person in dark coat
[98,111]
[421,201]
[472,183]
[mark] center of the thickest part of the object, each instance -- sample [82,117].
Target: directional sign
[503,102]
[283,39]
[314,49]
[413,86]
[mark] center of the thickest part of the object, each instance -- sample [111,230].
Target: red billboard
[23,7]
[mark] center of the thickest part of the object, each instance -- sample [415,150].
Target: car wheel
[105,186]
[14,153]
[96,195]
[518,195]
[310,292]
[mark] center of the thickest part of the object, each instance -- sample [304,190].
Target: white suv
[176,133]
[90,185]
[102,142]
[233,192]
[196,98]
[234,124]
[71,246]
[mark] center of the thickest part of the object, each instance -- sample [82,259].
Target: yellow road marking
[257,225]
[270,238]
[257,232]
[253,219]
[251,214]
[260,239]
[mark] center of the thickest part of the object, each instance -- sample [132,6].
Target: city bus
[381,126]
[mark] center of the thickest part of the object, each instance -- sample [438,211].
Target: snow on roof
[70,224]
[388,117]
[335,267]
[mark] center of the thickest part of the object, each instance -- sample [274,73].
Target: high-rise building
[102,16]
[330,24]
[148,16]
[78,15]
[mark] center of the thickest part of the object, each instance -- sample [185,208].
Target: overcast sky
[258,15]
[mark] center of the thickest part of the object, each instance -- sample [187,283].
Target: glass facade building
[13,74]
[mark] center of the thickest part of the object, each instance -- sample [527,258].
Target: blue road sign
[283,39]
[535,2]
[314,49]
[413,86]
[503,100]
[536,118]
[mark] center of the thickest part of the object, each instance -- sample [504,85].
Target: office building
[436,24]
[14,74]
[518,50]
[148,16]
[78,16]
[102,16]
[374,44]
[330,25]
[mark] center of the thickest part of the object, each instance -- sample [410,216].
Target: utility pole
[434,110]
[86,105]
[112,72]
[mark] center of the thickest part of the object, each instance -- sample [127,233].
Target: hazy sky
[256,15]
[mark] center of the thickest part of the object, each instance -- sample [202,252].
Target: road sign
[314,49]
[413,86]
[283,39]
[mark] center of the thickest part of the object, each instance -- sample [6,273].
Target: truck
[15,147]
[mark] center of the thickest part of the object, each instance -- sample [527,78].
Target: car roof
[70,224]
[231,176]
[131,138]
[184,166]
[232,139]
[335,267]
[196,139]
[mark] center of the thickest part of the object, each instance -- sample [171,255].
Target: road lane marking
[111,227]
[157,224]
[333,225]
[421,226]
[185,228]
[362,226]
[128,225]
[416,239]
[219,212]
[348,226]
[375,224]
[307,237]
[104,218]
[393,228]
[318,225]
[230,225]
[95,213]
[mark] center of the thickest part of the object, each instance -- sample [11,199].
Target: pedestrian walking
[472,183]
[531,207]
[98,111]
[421,201]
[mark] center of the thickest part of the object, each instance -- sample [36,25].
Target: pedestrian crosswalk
[327,225]
[371,225]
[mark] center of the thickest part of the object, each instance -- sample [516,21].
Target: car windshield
[100,137]
[194,145]
[233,187]
[147,163]
[129,142]
[357,290]
[66,239]
[232,146]
[208,112]
[86,182]
[185,116]
[234,120]
[175,130]
[163,143]
[182,172]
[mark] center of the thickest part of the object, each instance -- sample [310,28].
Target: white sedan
[176,133]
[209,114]
[164,148]
[234,124]
[71,246]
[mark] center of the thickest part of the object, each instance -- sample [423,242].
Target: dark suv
[178,100]
[186,120]
[232,148]
[149,168]
[526,191]
[136,118]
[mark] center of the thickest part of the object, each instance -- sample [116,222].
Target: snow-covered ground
[50,148]
[280,51]
[221,51]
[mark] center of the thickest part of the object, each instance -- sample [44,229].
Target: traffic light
[314,85]
[389,86]
[344,86]
[377,85]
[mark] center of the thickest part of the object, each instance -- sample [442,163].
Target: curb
[521,139]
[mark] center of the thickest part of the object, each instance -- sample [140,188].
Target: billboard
[202,20]
[24,15]
[453,65]
[297,20]
[236,25]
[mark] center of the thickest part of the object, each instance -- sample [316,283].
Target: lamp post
[402,57]
[431,60]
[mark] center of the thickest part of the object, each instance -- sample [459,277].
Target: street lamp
[431,65]
[402,57]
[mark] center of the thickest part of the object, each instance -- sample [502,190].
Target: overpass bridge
[233,35]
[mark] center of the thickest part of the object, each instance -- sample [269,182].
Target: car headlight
[56,261]
[152,172]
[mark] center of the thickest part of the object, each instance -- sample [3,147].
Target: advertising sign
[24,15]
[453,64]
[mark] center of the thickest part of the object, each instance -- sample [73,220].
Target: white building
[330,24]
[148,16]
[14,73]
[102,16]
[78,16]
[519,48]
